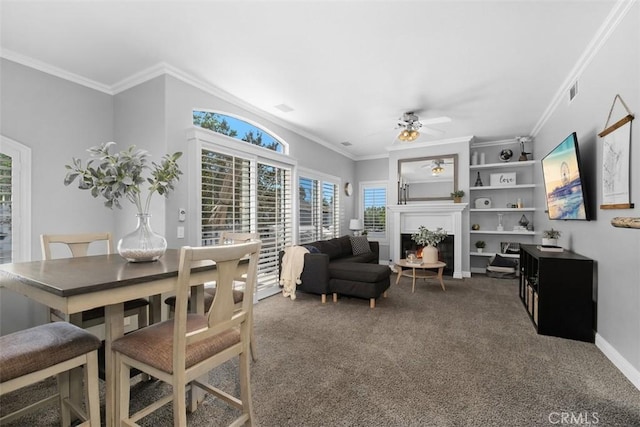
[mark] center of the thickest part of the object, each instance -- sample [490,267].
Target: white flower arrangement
[426,237]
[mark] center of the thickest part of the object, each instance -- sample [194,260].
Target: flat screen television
[563,181]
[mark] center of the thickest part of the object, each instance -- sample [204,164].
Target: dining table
[74,285]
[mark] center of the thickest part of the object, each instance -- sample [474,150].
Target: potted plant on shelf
[550,237]
[457,196]
[480,244]
[120,175]
[429,239]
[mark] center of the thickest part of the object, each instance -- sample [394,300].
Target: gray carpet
[465,357]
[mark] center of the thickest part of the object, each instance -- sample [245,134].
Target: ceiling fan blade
[431,131]
[436,120]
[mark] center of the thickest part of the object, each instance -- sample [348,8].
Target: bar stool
[32,355]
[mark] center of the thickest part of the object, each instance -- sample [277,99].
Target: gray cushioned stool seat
[40,347]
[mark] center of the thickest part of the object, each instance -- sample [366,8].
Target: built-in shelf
[519,233]
[503,187]
[503,165]
[498,199]
[503,210]
[490,254]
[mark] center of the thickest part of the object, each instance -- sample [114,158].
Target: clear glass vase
[142,245]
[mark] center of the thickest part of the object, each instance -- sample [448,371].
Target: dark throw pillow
[500,261]
[359,245]
[312,249]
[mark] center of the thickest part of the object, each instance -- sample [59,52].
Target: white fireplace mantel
[407,219]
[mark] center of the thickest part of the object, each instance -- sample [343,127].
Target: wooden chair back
[78,243]
[237,237]
[222,314]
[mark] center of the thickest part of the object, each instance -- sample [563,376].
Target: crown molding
[611,22]
[159,70]
[54,71]
[175,72]
[482,144]
[140,77]
[372,157]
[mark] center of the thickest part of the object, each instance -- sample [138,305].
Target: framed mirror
[427,178]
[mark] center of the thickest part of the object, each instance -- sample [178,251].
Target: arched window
[238,129]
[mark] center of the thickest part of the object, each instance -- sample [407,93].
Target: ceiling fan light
[437,170]
[405,135]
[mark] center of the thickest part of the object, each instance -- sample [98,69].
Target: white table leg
[76,376]
[114,329]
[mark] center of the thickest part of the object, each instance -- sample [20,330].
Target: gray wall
[58,120]
[614,70]
[140,120]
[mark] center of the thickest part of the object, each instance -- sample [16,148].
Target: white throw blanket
[292,265]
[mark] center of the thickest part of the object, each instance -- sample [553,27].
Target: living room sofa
[339,267]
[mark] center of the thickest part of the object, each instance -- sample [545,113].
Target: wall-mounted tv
[564,187]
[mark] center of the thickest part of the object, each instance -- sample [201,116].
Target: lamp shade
[355,224]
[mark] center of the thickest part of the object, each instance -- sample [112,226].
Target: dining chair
[226,237]
[32,355]
[79,244]
[182,350]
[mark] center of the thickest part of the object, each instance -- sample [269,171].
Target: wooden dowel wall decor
[616,160]
[626,222]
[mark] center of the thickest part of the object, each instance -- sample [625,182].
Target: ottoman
[361,280]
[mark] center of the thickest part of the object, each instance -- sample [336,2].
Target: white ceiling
[349,69]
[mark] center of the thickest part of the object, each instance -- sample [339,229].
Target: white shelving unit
[502,199]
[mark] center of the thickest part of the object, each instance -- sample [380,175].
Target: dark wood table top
[67,277]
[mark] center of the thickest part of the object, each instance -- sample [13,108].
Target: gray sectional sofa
[331,267]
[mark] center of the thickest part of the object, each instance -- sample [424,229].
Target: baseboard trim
[627,369]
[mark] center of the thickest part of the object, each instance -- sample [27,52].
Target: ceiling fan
[410,123]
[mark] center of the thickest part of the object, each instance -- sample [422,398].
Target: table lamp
[356,226]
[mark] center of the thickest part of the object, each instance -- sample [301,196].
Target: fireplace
[407,219]
[445,250]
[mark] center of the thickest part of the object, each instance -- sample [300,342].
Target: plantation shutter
[5,209]
[375,202]
[274,219]
[247,195]
[330,210]
[226,195]
[309,211]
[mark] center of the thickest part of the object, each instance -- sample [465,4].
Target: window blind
[244,195]
[309,210]
[330,210]
[375,210]
[5,209]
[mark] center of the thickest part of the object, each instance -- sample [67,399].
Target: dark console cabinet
[556,289]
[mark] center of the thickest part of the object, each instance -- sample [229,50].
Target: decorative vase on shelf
[429,254]
[142,245]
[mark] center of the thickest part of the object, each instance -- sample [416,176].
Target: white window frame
[322,178]
[21,197]
[199,139]
[382,238]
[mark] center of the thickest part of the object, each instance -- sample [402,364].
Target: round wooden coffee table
[408,269]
